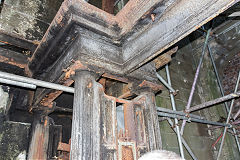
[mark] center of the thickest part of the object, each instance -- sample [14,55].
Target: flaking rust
[11,62]
[66,81]
[48,100]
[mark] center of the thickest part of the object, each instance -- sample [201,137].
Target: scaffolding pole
[213,102]
[196,78]
[228,119]
[187,115]
[236,115]
[193,119]
[183,140]
[222,93]
[166,84]
[174,109]
[16,83]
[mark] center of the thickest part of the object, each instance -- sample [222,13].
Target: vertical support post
[85,139]
[175,119]
[228,118]
[39,141]
[152,123]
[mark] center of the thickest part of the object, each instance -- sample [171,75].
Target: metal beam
[168,30]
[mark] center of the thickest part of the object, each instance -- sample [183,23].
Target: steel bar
[236,115]
[228,118]
[222,93]
[16,83]
[174,109]
[165,83]
[196,78]
[40,83]
[236,122]
[193,119]
[179,113]
[217,76]
[215,101]
[183,141]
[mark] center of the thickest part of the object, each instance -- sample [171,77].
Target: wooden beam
[164,58]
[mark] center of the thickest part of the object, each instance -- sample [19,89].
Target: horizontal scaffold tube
[36,82]
[16,83]
[213,102]
[192,119]
[178,113]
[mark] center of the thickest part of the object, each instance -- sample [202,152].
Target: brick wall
[230,74]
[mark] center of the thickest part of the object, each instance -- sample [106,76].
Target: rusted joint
[153,16]
[71,70]
[186,111]
[175,125]
[63,147]
[11,61]
[139,87]
[43,110]
[189,119]
[229,125]
[48,99]
[174,93]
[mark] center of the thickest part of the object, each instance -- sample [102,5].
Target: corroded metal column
[85,140]
[151,128]
[109,128]
[40,136]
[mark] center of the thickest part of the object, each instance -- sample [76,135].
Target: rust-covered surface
[49,98]
[116,47]
[63,147]
[83,37]
[124,42]
[39,140]
[114,137]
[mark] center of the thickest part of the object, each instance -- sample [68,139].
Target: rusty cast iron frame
[117,45]
[114,46]
[95,132]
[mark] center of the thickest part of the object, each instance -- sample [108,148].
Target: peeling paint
[4,96]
